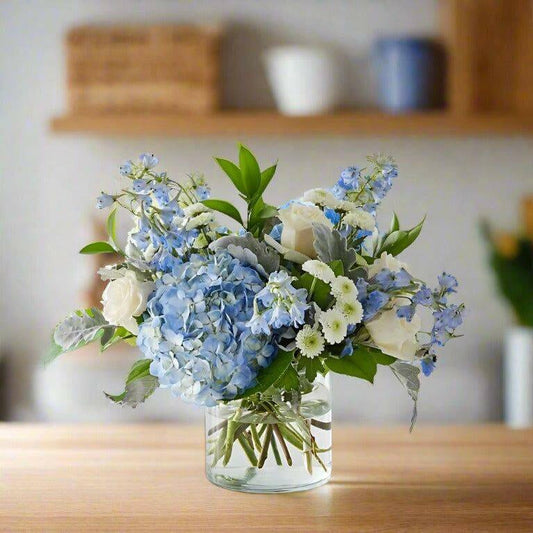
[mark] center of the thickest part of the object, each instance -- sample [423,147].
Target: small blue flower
[428,366]
[332,215]
[161,193]
[423,297]
[148,161]
[126,168]
[338,192]
[139,185]
[349,179]
[362,288]
[203,192]
[390,280]
[104,200]
[406,311]
[375,301]
[275,233]
[347,349]
[448,283]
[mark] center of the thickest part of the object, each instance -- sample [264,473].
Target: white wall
[49,181]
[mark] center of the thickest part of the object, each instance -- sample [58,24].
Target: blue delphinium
[104,200]
[278,305]
[196,331]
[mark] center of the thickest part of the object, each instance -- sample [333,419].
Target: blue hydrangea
[278,305]
[196,330]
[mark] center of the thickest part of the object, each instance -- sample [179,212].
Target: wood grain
[150,478]
[266,123]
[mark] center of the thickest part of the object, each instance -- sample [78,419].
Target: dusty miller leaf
[77,330]
[331,245]
[248,250]
[407,375]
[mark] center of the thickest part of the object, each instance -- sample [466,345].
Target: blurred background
[443,86]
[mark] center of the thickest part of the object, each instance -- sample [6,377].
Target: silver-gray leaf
[408,376]
[136,391]
[79,329]
[330,246]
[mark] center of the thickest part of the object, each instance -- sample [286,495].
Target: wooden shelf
[268,123]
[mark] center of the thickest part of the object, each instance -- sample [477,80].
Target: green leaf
[139,385]
[361,364]
[269,375]
[112,226]
[250,172]
[113,336]
[76,330]
[233,172]
[268,211]
[311,367]
[320,291]
[224,207]
[337,267]
[407,239]
[288,380]
[266,177]
[395,223]
[98,248]
[383,359]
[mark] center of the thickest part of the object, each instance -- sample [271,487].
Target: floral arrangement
[254,317]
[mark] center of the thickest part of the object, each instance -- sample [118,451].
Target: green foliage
[397,240]
[319,292]
[361,364]
[113,335]
[251,182]
[222,206]
[111,226]
[98,248]
[514,277]
[140,384]
[288,380]
[311,367]
[269,375]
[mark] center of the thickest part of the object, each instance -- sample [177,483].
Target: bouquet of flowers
[250,322]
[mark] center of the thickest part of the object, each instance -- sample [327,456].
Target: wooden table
[150,477]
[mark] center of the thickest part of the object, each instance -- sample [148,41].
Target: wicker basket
[143,69]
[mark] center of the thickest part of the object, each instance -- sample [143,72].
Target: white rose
[395,336]
[125,298]
[386,261]
[298,223]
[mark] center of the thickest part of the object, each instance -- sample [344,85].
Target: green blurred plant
[511,259]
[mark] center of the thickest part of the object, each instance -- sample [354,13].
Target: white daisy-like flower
[321,197]
[334,326]
[195,209]
[352,310]
[344,288]
[319,270]
[348,206]
[310,342]
[359,218]
[203,219]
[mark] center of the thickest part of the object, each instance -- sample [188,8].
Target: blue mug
[410,73]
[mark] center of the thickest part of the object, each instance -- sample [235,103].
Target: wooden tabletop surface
[150,478]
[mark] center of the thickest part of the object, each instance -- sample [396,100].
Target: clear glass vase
[280,443]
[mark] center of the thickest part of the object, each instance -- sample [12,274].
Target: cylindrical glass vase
[279,443]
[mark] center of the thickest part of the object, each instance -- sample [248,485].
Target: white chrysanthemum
[348,206]
[344,288]
[203,219]
[195,209]
[334,326]
[352,310]
[359,218]
[310,342]
[321,197]
[319,270]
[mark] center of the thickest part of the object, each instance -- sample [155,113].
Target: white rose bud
[395,336]
[125,298]
[298,223]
